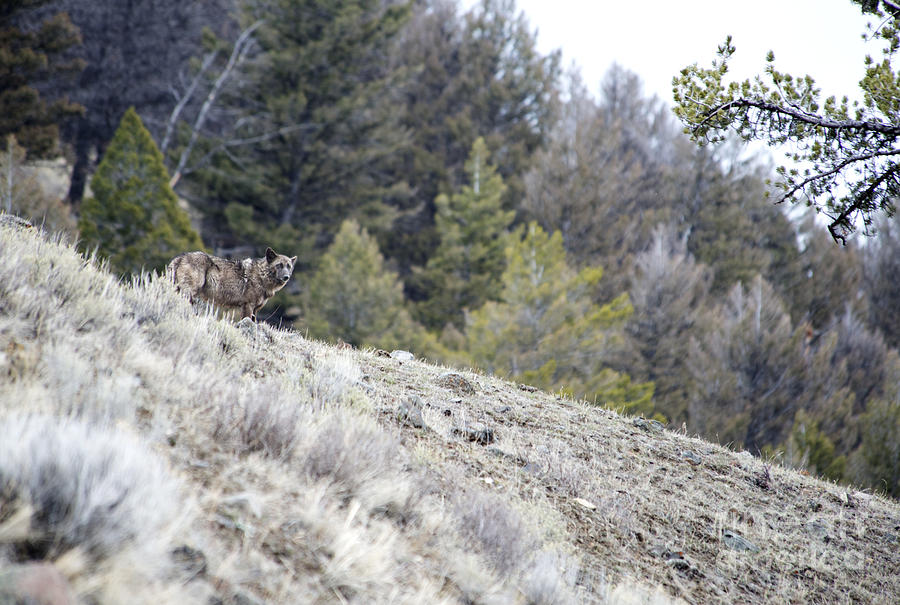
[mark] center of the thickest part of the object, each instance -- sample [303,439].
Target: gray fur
[243,285]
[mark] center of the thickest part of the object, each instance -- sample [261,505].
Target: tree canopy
[845,155]
[29,56]
[134,219]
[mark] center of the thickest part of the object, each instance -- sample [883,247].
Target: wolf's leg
[247,310]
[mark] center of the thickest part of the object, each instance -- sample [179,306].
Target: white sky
[657,38]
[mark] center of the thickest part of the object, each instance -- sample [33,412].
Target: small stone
[817,529]
[455,382]
[691,457]
[478,433]
[247,326]
[191,560]
[401,355]
[502,409]
[585,503]
[736,541]
[410,412]
[654,426]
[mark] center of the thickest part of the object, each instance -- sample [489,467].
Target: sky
[657,38]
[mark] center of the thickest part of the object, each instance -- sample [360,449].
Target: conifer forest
[451,191]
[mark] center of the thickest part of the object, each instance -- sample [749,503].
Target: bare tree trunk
[185,98]
[241,47]
[82,164]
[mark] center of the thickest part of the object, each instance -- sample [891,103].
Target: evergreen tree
[616,167]
[605,178]
[134,219]
[353,297]
[29,56]
[477,74]
[877,462]
[464,271]
[668,291]
[547,331]
[828,279]
[881,268]
[317,102]
[751,371]
[132,54]
[811,449]
[852,175]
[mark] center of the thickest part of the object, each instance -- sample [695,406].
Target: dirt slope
[152,453]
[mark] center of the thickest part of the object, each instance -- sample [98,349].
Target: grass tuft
[87,487]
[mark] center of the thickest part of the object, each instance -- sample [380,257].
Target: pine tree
[668,290]
[28,56]
[604,179]
[877,462]
[465,270]
[475,74]
[547,331]
[882,264]
[811,449]
[318,103]
[353,297]
[133,55]
[134,219]
[752,370]
[849,172]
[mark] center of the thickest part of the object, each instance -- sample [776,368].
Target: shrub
[88,487]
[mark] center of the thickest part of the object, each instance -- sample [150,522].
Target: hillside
[151,453]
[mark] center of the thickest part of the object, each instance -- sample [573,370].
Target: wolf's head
[280,266]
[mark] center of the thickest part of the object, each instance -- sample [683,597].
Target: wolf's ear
[270,255]
[293,260]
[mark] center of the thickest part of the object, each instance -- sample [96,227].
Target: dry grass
[167,456]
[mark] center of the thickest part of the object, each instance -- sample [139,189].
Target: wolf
[240,285]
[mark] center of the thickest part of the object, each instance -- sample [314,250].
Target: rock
[735,541]
[456,383]
[478,433]
[35,583]
[401,355]
[502,409]
[654,426]
[191,560]
[677,561]
[585,503]
[247,326]
[817,529]
[410,412]
[691,457]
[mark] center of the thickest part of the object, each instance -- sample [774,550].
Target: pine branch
[800,115]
